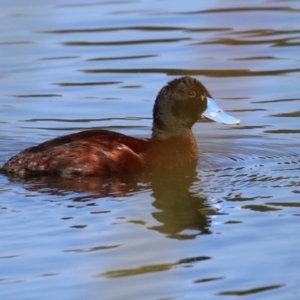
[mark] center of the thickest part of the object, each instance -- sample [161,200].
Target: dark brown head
[178,105]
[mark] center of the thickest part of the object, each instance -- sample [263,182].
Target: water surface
[230,228]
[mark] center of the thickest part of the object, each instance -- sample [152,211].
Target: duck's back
[87,153]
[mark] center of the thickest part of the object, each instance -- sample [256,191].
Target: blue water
[231,229]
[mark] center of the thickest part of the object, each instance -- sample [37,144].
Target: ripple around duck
[238,153]
[248,166]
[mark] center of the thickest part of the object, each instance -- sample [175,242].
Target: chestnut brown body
[102,153]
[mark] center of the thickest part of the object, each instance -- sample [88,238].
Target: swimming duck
[179,104]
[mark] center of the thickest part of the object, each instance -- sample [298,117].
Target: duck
[98,152]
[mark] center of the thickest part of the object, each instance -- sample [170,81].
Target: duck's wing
[87,153]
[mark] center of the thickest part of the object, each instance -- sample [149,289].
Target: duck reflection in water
[182,213]
[98,160]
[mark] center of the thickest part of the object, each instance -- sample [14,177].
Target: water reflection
[182,214]
[186,262]
[196,72]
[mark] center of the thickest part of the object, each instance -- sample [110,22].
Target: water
[230,229]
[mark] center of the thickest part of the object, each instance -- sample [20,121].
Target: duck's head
[182,102]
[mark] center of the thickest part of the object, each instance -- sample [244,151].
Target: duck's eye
[203,98]
[192,94]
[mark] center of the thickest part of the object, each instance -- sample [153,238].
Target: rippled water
[230,229]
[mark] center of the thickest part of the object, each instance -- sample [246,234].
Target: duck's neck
[162,134]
